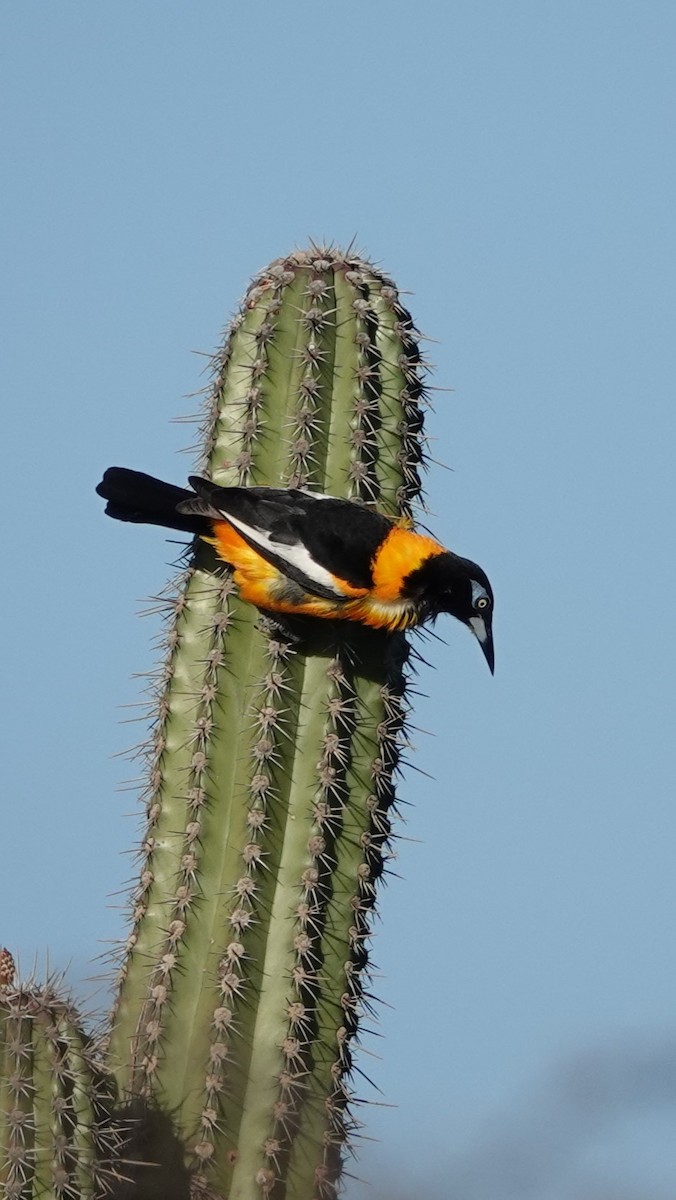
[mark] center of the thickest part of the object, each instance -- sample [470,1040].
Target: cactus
[270,792]
[58,1136]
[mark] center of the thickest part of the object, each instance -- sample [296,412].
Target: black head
[447,583]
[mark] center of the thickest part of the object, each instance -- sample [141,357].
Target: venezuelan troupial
[300,552]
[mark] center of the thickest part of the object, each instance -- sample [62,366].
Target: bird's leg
[275,626]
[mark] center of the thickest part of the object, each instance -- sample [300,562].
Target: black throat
[440,579]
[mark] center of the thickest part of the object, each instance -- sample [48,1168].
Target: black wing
[315,537]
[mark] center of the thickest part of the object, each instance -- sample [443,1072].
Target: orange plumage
[382,606]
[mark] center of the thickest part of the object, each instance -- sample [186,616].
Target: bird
[298,552]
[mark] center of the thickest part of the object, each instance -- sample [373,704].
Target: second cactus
[59,1139]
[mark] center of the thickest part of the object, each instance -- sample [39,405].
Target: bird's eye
[482,602]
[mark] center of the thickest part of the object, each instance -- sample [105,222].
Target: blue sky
[511,165]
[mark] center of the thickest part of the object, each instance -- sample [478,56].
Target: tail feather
[134,496]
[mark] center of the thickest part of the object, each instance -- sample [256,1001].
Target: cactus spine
[272,760]
[57,1133]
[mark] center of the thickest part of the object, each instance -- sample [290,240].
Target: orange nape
[401,553]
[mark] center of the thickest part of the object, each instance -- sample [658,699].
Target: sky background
[511,164]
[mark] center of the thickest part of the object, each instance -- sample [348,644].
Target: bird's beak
[484,636]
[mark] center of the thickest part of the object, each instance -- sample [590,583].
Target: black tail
[133,496]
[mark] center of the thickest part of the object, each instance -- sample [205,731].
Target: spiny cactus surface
[58,1138]
[270,784]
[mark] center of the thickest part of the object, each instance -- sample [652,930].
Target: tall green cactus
[272,759]
[58,1137]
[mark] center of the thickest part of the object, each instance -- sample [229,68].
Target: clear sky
[512,165]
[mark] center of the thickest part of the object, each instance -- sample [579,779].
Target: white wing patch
[296,555]
[317,495]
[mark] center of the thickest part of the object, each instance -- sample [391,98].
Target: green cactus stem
[58,1138]
[245,976]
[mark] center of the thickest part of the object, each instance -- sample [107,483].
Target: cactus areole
[244,980]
